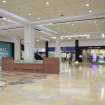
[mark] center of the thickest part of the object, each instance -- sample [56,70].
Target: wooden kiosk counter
[48,65]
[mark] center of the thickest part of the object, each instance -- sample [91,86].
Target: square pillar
[17,48]
[57,48]
[29,43]
[46,49]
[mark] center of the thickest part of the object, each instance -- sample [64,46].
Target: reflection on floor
[76,85]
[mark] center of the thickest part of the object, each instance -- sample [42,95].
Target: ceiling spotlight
[29,14]
[87,5]
[47,3]
[90,11]
[37,40]
[88,37]
[38,18]
[4,1]
[103,35]
[73,24]
[50,23]
[53,37]
[4,18]
[95,22]
[74,36]
[69,38]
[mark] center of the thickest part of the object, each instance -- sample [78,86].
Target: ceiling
[39,10]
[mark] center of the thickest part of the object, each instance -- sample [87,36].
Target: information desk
[48,65]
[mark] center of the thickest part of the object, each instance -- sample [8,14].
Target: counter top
[26,62]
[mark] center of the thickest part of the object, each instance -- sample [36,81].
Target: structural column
[17,48]
[76,50]
[57,48]
[29,43]
[46,48]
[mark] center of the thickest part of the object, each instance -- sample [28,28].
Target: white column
[17,48]
[58,51]
[29,42]
[57,48]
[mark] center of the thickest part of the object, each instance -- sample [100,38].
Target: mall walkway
[79,85]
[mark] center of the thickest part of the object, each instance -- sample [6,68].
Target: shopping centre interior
[52,52]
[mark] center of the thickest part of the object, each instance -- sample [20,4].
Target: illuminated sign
[5,50]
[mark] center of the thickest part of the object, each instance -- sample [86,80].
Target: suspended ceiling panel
[38,10]
[78,27]
[53,9]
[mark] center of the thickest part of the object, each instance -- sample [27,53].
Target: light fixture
[29,14]
[50,23]
[87,5]
[37,40]
[4,18]
[90,11]
[95,22]
[76,62]
[38,18]
[103,35]
[9,20]
[69,38]
[88,37]
[47,3]
[53,37]
[75,36]
[73,24]
[4,1]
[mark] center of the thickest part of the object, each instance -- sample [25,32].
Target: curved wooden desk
[49,65]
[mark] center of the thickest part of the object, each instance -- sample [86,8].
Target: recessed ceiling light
[95,22]
[53,37]
[37,40]
[88,37]
[50,23]
[29,14]
[87,5]
[90,11]
[69,38]
[38,18]
[73,24]
[103,35]
[4,18]
[47,3]
[4,1]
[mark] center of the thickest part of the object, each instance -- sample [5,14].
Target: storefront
[94,54]
[6,50]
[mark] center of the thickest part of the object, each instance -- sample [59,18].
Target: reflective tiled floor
[76,85]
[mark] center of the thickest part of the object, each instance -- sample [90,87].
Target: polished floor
[76,85]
